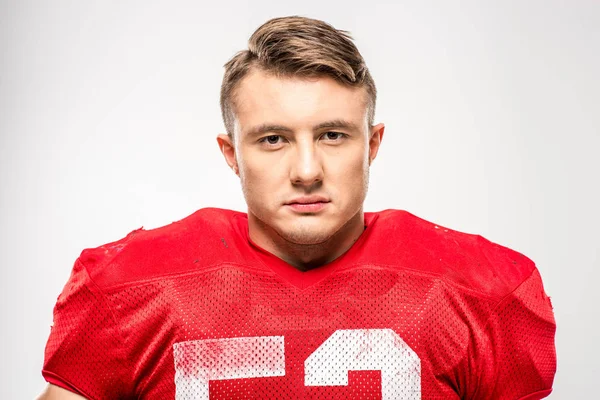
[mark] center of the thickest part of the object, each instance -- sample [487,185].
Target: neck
[306,256]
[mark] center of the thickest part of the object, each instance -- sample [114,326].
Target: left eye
[333,135]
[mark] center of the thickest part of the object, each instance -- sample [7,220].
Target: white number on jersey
[199,361]
[367,350]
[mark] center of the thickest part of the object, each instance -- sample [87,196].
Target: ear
[376,136]
[228,149]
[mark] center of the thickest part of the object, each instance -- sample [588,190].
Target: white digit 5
[366,349]
[199,361]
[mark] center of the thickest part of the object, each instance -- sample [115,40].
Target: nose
[307,168]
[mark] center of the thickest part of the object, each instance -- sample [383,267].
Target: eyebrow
[332,124]
[264,128]
[336,124]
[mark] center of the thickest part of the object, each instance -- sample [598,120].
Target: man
[306,296]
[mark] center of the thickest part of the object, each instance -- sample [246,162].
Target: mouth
[308,204]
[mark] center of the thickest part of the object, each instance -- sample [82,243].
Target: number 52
[199,361]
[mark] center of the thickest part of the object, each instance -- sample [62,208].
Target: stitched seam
[67,382]
[545,392]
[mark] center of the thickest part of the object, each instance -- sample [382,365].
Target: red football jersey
[195,310]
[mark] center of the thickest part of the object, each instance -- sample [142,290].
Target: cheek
[260,178]
[350,174]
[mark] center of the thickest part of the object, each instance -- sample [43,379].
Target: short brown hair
[298,46]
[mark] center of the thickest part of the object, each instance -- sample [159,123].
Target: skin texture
[53,392]
[294,156]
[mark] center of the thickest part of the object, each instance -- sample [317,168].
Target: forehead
[296,102]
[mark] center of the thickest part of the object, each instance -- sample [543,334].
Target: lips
[308,200]
[308,203]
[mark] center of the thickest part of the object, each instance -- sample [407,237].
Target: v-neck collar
[292,275]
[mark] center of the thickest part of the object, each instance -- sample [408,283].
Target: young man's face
[302,148]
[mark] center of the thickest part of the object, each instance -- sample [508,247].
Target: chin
[310,230]
[304,235]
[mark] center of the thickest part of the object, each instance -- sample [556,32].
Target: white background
[109,112]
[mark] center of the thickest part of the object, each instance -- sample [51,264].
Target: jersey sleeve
[84,351]
[517,358]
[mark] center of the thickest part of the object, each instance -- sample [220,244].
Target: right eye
[271,140]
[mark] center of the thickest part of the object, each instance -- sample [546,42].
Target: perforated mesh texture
[135,359]
[245,331]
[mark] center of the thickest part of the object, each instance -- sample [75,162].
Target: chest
[366,334]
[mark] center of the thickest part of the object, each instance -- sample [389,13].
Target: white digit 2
[199,361]
[366,350]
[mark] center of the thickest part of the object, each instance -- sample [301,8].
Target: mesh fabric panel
[435,320]
[153,322]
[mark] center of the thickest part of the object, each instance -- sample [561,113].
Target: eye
[333,136]
[271,140]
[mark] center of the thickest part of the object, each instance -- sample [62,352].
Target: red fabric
[537,395]
[447,314]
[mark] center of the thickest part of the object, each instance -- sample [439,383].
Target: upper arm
[54,392]
[517,358]
[84,349]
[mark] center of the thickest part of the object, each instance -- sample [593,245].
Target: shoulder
[197,240]
[463,259]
